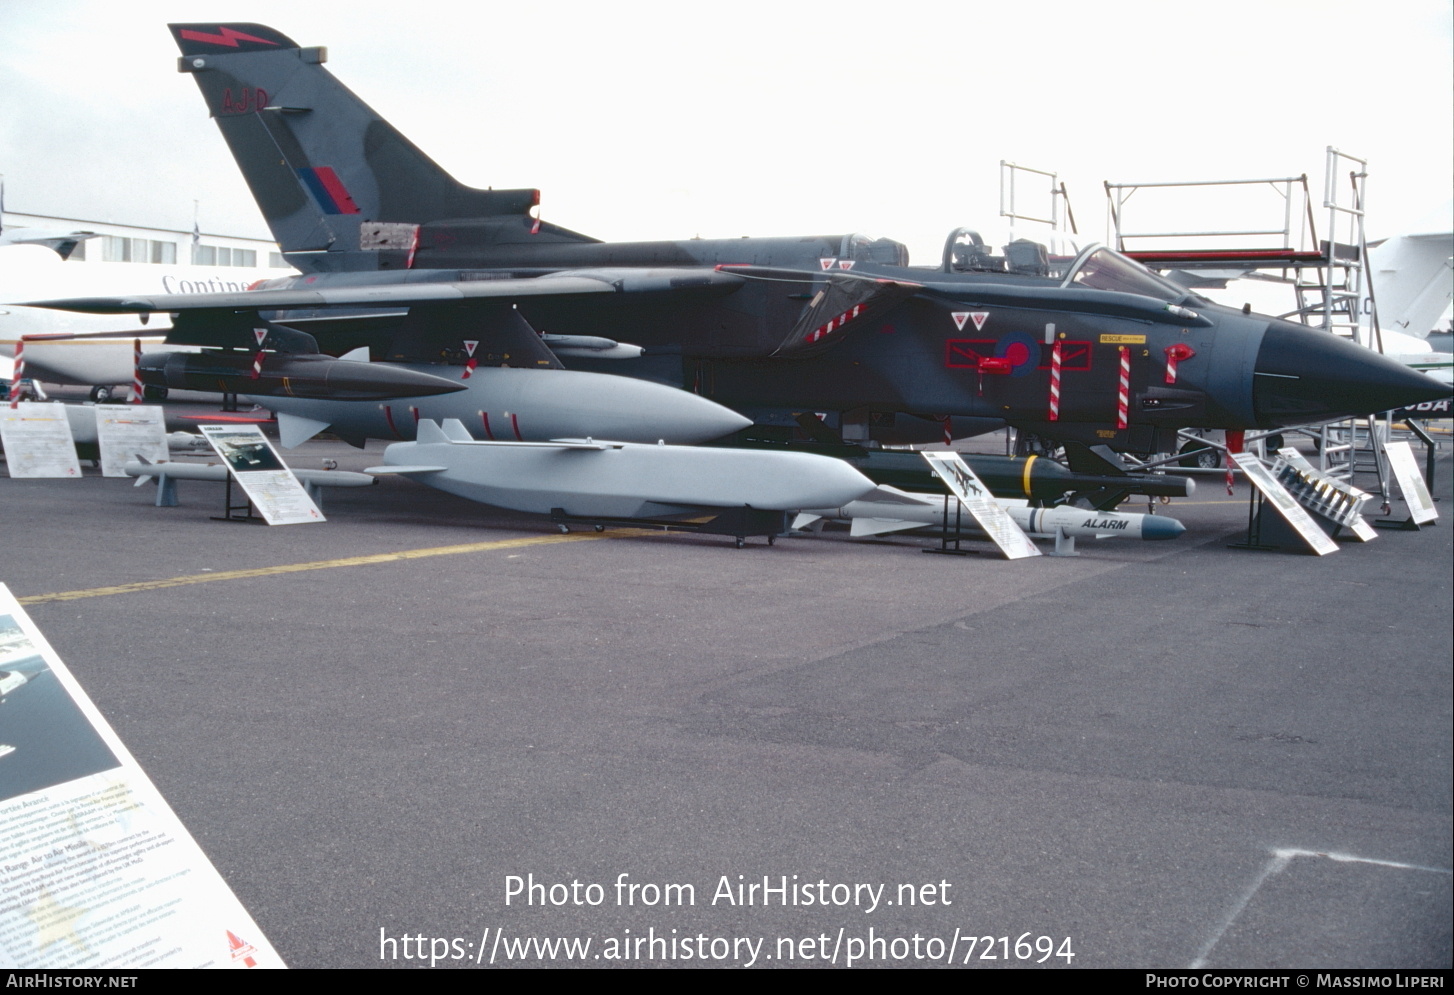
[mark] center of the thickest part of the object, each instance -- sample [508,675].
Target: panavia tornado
[402,259]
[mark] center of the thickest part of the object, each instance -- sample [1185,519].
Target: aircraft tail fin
[1411,277]
[340,188]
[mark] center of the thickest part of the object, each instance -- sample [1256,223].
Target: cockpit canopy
[871,249]
[1090,265]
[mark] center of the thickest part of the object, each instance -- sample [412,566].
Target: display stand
[974,497]
[1289,527]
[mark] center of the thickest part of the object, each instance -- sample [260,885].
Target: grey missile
[216,471]
[167,473]
[500,404]
[889,509]
[289,374]
[585,478]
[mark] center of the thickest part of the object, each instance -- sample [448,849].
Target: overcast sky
[664,120]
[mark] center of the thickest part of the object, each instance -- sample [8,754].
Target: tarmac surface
[1155,754]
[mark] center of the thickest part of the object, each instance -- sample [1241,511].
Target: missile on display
[502,404]
[889,509]
[167,473]
[144,469]
[290,375]
[1034,477]
[583,478]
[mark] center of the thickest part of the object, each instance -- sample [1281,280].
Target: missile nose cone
[1304,375]
[1160,527]
[381,381]
[695,419]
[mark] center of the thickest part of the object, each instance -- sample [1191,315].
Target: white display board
[37,440]
[980,504]
[1286,505]
[127,431]
[262,474]
[96,870]
[1410,482]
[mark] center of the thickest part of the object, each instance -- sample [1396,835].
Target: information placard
[1286,505]
[38,441]
[125,432]
[1411,482]
[96,870]
[980,504]
[262,474]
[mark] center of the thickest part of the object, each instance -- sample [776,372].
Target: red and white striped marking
[1236,438]
[469,350]
[1123,391]
[837,323]
[1055,361]
[413,248]
[19,372]
[257,361]
[1175,354]
[948,432]
[136,392]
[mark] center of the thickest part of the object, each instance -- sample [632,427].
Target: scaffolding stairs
[1328,276]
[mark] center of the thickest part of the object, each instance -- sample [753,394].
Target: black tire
[1206,458]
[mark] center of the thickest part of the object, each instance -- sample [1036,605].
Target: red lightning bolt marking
[227,37]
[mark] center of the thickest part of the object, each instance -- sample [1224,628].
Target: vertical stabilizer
[340,187]
[1412,279]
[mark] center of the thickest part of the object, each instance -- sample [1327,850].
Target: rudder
[330,176]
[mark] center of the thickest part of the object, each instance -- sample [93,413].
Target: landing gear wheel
[741,542]
[102,395]
[564,529]
[1274,442]
[150,393]
[771,540]
[1207,459]
[600,528]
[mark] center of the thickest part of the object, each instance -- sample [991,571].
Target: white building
[114,243]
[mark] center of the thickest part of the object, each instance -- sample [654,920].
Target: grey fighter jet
[400,257]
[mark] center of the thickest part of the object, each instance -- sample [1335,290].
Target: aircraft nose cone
[1306,375]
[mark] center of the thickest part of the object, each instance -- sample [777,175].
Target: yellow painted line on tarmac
[351,561]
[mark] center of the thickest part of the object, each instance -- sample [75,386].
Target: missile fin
[429,433]
[878,526]
[381,470]
[455,430]
[294,430]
